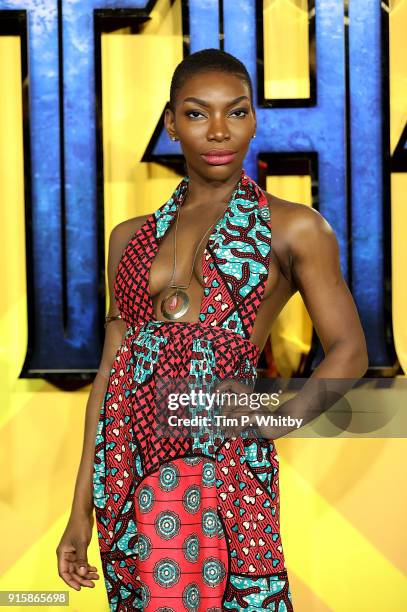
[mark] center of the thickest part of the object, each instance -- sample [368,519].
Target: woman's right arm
[73,566]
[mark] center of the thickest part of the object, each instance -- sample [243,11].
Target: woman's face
[213,112]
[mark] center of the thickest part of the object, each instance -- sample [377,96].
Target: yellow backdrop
[343,501]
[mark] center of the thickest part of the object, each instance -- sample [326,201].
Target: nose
[218,129]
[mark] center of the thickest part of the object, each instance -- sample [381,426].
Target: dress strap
[237,262]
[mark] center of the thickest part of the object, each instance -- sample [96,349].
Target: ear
[169,121]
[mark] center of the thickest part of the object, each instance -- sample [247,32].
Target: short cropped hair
[207,60]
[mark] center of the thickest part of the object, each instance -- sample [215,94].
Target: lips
[217,157]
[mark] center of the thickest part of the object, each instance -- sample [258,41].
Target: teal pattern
[189,522]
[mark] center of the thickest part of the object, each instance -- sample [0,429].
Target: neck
[202,189]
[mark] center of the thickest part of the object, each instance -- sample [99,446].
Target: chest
[231,266]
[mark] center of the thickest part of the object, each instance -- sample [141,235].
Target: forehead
[213,86]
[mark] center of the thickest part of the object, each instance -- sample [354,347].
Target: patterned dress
[189,523]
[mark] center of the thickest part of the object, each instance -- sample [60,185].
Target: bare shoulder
[297,226]
[122,233]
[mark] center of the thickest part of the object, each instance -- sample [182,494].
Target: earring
[254,135]
[174,138]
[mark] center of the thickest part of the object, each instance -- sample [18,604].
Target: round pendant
[175,304]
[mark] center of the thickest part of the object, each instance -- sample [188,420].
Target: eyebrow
[203,103]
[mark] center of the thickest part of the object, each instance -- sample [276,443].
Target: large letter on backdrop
[343,128]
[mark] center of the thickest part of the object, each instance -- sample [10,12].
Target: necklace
[176,303]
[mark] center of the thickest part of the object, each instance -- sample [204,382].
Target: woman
[193,522]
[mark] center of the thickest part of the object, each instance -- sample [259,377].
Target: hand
[73,566]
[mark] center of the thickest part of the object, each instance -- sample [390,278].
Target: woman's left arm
[315,267]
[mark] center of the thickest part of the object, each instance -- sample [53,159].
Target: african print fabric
[189,523]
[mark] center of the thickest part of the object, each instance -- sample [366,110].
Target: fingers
[81,567]
[84,579]
[92,573]
[64,571]
[70,581]
[74,569]
[81,575]
[81,562]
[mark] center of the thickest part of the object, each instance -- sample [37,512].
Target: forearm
[344,360]
[329,382]
[83,494]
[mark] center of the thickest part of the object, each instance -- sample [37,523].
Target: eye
[188,114]
[241,110]
[193,113]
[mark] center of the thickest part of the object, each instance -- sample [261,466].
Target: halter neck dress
[189,523]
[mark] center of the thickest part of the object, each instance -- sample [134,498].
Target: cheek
[193,137]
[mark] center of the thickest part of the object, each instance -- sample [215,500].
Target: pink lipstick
[217,157]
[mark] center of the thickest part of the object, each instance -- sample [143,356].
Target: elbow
[357,359]
[362,362]
[361,358]
[351,358]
